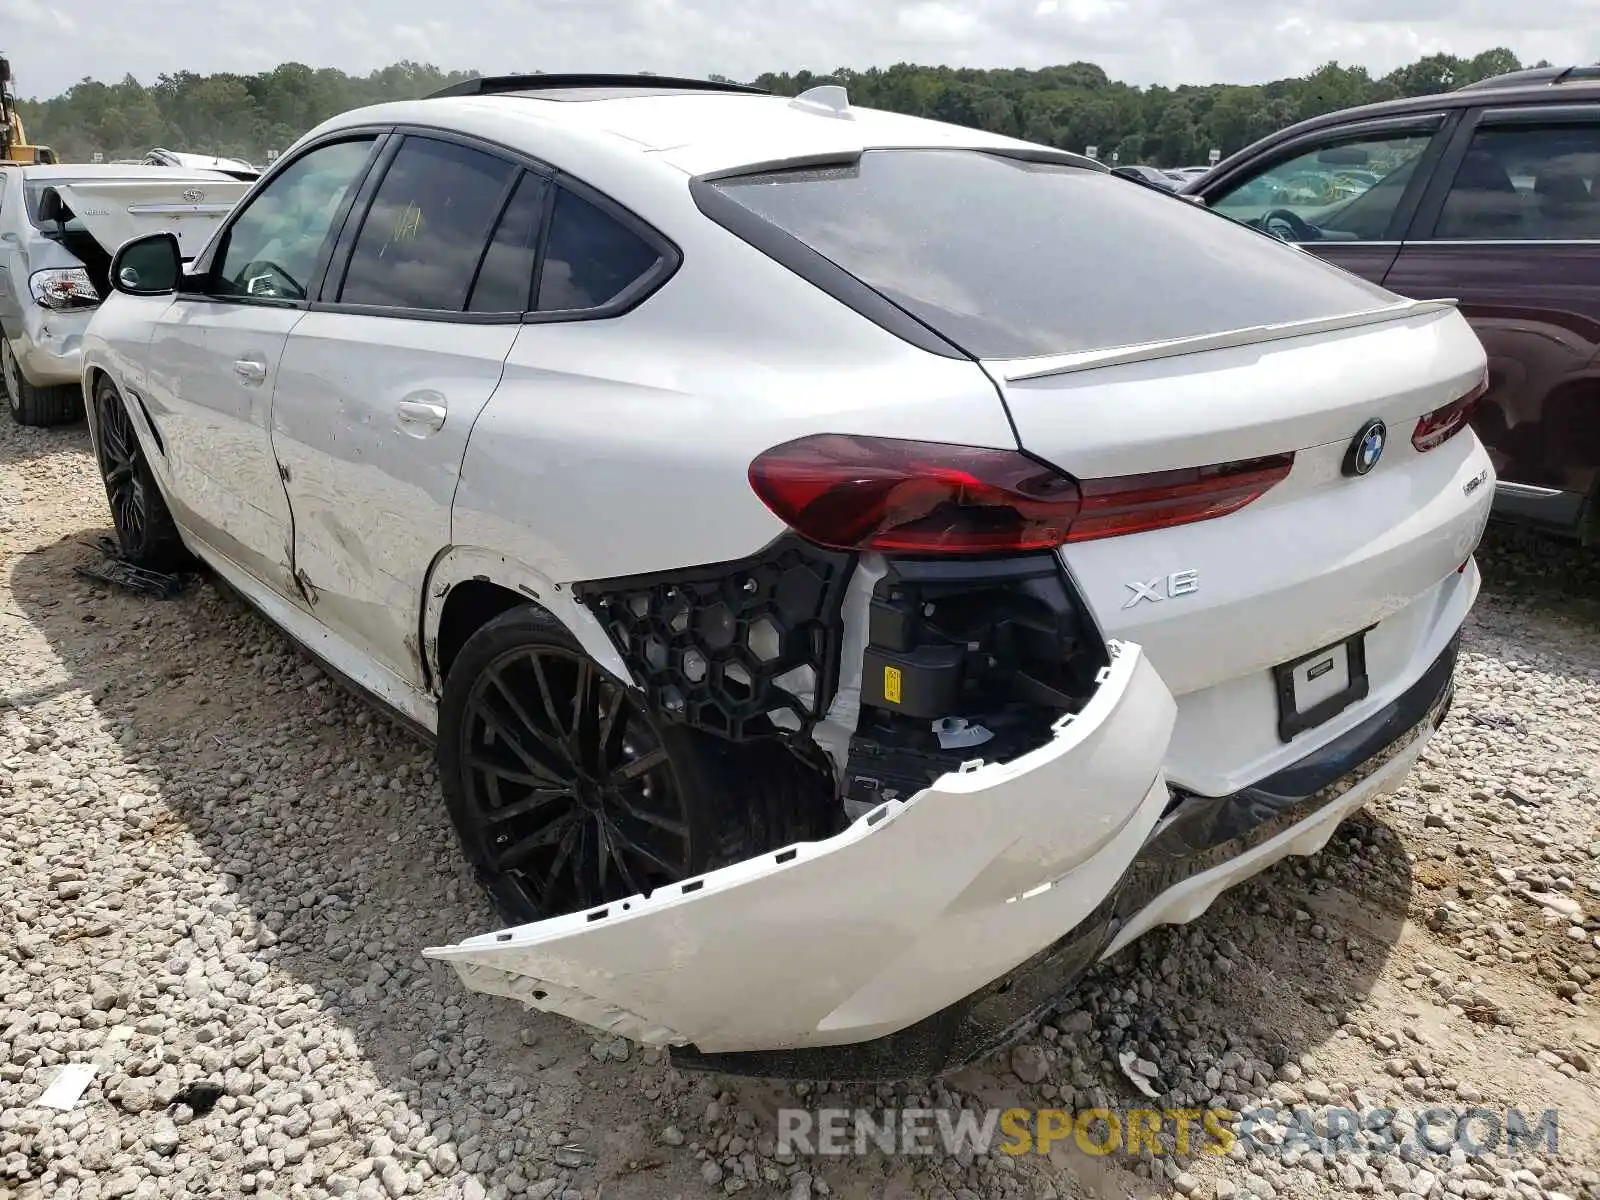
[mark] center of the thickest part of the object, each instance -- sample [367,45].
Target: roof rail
[1532,77]
[494,85]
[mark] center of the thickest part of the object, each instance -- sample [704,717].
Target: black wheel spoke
[645,763]
[552,834]
[581,708]
[510,811]
[564,849]
[649,817]
[576,800]
[543,780]
[642,852]
[545,693]
[503,734]
[615,852]
[611,723]
[523,718]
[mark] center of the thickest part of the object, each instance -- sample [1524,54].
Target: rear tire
[567,793]
[38,406]
[146,534]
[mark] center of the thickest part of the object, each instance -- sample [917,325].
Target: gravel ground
[218,869]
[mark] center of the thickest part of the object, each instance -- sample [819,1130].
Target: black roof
[1533,76]
[542,86]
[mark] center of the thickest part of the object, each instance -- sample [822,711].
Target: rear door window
[1007,258]
[428,227]
[1526,183]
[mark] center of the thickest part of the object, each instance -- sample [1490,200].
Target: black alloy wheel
[145,531]
[570,786]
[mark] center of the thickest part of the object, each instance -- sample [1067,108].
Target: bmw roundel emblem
[1366,449]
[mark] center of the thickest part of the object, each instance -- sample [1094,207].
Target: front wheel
[146,534]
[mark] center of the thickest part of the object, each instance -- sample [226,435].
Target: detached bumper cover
[1199,842]
[846,940]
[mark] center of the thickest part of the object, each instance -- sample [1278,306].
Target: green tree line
[1073,106]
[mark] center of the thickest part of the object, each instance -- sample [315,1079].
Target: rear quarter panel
[621,446]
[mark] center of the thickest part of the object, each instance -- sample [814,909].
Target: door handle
[420,416]
[251,370]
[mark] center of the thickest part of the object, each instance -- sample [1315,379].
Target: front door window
[271,249]
[1337,191]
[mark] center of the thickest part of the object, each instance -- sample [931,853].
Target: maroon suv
[1488,194]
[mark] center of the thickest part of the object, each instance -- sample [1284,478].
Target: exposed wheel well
[470,606]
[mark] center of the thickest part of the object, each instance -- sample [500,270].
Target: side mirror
[148,266]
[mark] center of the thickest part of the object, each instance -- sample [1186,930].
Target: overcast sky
[54,43]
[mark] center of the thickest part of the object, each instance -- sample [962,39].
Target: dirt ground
[217,866]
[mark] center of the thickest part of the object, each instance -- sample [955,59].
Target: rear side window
[1008,258]
[592,257]
[427,228]
[1526,183]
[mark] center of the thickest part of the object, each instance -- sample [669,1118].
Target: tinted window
[591,258]
[428,225]
[1345,191]
[1007,258]
[505,280]
[272,247]
[1526,183]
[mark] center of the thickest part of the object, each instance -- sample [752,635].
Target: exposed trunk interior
[965,659]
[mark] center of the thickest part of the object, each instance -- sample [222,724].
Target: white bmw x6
[857,571]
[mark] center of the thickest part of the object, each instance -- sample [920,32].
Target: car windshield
[1008,258]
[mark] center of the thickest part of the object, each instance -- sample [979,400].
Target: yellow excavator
[13,140]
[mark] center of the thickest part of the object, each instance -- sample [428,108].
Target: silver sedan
[59,226]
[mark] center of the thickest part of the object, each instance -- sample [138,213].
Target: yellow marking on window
[891,684]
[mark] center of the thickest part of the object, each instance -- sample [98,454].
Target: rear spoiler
[1042,366]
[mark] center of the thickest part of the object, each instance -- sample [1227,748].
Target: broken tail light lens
[63,288]
[1436,428]
[910,497]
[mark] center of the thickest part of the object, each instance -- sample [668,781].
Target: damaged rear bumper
[933,930]
[853,938]
[1201,846]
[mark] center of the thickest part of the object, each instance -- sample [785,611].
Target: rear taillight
[1436,428]
[906,497]
[1134,503]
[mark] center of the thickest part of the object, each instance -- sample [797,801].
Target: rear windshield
[1008,258]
